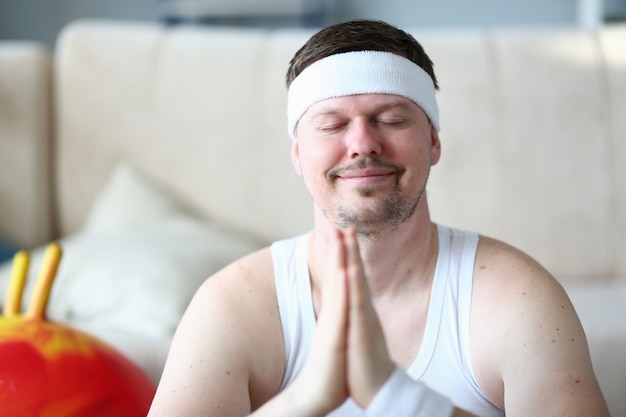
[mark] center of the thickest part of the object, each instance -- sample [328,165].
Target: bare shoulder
[245,306]
[502,267]
[247,280]
[529,349]
[227,356]
[513,291]
[243,293]
[513,284]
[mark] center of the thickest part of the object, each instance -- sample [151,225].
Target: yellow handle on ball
[43,285]
[13,300]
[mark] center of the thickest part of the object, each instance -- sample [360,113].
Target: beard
[380,214]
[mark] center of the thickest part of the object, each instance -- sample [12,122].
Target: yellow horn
[47,272]
[13,300]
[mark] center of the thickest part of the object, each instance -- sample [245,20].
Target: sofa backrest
[26,217]
[199,111]
[533,131]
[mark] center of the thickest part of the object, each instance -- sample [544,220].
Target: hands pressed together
[348,356]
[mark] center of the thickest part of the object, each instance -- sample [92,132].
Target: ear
[295,157]
[435,143]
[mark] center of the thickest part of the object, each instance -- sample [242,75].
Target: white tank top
[443,362]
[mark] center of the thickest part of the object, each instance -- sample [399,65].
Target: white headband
[361,72]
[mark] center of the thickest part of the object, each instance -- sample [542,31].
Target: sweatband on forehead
[361,72]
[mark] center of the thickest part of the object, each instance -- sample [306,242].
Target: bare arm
[539,347]
[223,346]
[227,358]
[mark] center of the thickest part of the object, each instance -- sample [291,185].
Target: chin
[373,216]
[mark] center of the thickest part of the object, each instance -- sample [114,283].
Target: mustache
[364,163]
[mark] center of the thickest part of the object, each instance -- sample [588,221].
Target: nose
[362,139]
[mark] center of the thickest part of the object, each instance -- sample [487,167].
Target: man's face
[365,159]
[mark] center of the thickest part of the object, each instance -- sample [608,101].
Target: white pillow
[135,264]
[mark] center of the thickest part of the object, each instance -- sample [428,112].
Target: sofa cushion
[134,266]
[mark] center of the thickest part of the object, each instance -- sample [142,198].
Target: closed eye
[394,122]
[331,127]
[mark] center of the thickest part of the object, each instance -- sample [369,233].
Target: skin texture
[365,160]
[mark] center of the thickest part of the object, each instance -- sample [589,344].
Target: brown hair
[359,35]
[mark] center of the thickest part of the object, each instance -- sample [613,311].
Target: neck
[394,261]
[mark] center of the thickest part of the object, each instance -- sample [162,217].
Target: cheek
[316,160]
[314,176]
[417,162]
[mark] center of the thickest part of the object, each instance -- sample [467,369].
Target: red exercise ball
[51,370]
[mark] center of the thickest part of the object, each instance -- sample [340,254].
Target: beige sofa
[159,154]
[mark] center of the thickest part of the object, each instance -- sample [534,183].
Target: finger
[333,315]
[357,285]
[341,261]
[324,373]
[334,286]
[369,363]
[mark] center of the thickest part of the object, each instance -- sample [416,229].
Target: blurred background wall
[41,20]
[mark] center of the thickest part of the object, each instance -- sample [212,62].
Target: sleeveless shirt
[443,362]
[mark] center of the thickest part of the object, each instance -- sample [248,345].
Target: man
[377,311]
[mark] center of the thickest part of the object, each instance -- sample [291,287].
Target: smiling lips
[366,171]
[366,176]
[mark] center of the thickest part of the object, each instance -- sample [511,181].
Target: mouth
[366,172]
[367,176]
